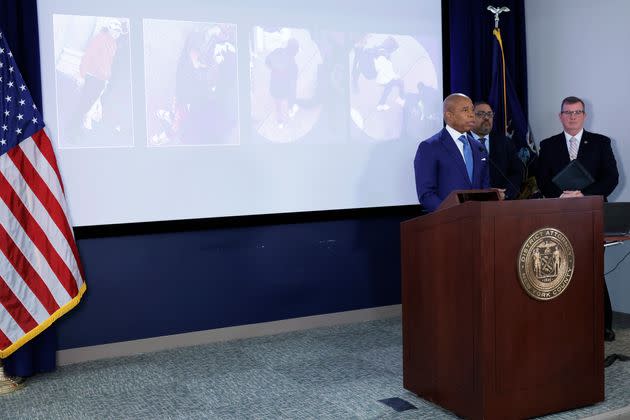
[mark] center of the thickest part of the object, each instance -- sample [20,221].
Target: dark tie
[484,142]
[468,158]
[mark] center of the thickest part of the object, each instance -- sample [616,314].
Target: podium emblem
[545,264]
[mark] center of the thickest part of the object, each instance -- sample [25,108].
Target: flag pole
[7,383]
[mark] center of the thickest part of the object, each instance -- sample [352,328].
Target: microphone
[482,149]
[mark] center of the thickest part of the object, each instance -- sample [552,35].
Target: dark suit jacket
[440,169]
[595,154]
[506,169]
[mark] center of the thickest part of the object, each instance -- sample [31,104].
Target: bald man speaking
[451,159]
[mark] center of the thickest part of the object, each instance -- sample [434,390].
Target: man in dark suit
[594,152]
[451,159]
[506,169]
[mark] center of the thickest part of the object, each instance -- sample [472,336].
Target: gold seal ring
[545,264]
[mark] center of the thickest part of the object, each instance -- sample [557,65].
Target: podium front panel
[542,348]
[474,341]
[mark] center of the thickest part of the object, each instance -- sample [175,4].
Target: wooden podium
[474,342]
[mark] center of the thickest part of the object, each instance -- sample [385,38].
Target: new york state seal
[545,264]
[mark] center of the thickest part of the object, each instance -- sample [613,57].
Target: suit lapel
[496,147]
[492,140]
[453,151]
[585,145]
[476,153]
[495,155]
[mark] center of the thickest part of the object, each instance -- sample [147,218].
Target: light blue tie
[468,158]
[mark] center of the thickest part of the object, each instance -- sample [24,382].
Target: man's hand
[500,192]
[571,194]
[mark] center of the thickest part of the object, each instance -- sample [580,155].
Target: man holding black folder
[591,150]
[577,157]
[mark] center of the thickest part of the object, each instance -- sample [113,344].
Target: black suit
[596,155]
[506,169]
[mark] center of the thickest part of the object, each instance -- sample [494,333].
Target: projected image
[93,81]
[285,65]
[191,83]
[393,88]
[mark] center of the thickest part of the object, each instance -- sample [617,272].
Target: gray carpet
[326,373]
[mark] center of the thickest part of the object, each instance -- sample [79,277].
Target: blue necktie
[468,158]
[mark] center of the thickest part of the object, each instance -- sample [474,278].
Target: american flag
[40,272]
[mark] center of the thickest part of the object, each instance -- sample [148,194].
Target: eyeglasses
[482,114]
[572,113]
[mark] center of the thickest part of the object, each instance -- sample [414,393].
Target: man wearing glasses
[594,152]
[506,169]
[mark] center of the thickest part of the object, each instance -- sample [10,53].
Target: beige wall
[580,47]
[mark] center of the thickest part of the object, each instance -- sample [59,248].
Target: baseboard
[621,319]
[620,414]
[148,345]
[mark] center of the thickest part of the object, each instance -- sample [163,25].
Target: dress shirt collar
[455,135]
[578,137]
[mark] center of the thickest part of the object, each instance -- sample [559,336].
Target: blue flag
[509,118]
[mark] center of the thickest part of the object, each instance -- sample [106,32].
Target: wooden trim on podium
[461,196]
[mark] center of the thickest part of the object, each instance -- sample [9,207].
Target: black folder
[573,177]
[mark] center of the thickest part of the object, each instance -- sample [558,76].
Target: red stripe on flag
[4,341]
[46,197]
[45,147]
[27,272]
[15,308]
[38,237]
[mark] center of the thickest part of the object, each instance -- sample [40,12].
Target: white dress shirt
[455,135]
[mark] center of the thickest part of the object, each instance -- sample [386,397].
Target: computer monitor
[616,219]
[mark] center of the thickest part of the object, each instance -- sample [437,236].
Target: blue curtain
[469,30]
[18,20]
[18,23]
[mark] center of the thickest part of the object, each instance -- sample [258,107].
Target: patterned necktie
[573,148]
[468,158]
[483,142]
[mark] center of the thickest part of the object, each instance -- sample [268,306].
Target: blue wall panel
[150,285]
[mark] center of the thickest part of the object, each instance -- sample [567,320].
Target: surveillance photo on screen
[93,81]
[394,88]
[295,86]
[191,83]
[207,108]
